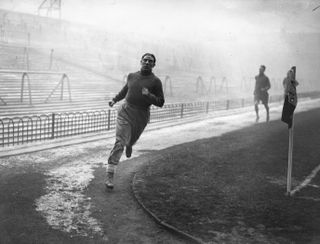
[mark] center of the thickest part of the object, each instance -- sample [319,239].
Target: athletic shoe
[109,181]
[128,151]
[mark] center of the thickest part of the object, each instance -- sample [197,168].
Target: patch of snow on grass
[65,206]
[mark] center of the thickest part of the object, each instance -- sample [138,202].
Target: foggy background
[221,38]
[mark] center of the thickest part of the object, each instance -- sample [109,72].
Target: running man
[141,90]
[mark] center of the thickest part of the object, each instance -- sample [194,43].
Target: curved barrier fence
[26,129]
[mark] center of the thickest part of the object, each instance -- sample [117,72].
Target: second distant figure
[261,92]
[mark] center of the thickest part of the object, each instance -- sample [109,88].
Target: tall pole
[290,149]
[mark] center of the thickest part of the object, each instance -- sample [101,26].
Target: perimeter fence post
[52,125]
[181,112]
[109,115]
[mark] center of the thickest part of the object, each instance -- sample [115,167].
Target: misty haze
[123,119]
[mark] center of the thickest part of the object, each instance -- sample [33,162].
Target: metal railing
[27,129]
[25,78]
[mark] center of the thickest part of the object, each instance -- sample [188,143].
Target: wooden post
[290,150]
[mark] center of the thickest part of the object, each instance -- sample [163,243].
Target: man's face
[261,70]
[147,63]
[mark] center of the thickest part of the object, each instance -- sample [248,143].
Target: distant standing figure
[141,90]
[261,92]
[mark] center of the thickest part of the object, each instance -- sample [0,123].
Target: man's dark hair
[264,67]
[149,54]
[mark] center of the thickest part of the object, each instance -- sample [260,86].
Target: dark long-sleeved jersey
[132,91]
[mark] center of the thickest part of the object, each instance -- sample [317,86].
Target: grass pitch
[231,189]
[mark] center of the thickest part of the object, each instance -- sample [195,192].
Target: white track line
[306,181]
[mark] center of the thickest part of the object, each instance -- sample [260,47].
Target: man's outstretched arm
[121,95]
